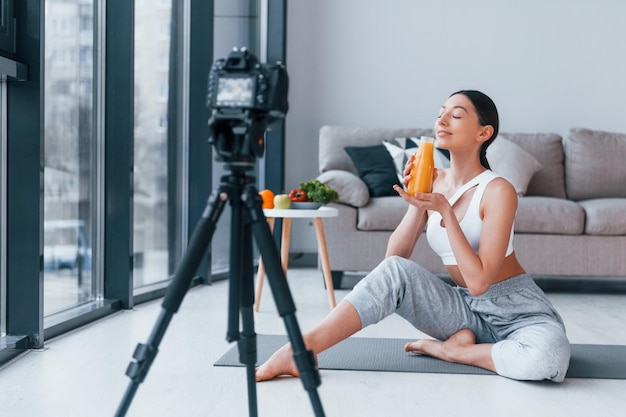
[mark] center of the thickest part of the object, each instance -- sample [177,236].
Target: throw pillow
[513,163]
[351,189]
[594,164]
[401,150]
[375,167]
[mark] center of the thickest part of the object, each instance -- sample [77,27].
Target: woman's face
[457,123]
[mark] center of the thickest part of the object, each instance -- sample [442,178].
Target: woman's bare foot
[461,347]
[342,322]
[280,363]
[448,350]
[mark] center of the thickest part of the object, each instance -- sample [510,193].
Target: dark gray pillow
[375,167]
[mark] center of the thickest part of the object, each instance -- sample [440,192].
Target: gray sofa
[571,218]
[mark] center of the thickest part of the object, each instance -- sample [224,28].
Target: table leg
[260,276]
[284,246]
[323,253]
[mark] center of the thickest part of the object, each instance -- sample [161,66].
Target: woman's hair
[487,115]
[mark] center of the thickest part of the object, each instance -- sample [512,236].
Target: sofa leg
[337,278]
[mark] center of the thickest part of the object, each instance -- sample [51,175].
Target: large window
[69,160]
[152,210]
[90,161]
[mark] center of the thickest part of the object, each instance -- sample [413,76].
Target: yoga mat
[388,355]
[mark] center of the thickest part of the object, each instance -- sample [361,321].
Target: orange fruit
[268,198]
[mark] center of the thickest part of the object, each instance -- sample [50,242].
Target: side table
[288,214]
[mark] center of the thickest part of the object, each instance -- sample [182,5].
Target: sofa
[571,218]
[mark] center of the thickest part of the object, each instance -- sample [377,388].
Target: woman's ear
[485,133]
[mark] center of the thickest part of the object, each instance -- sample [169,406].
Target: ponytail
[483,153]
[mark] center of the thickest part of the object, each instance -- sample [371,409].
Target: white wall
[548,64]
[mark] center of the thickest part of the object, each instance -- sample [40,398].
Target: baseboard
[589,285]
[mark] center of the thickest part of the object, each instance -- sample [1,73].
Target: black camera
[246,97]
[240,82]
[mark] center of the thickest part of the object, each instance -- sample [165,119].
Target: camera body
[246,97]
[241,83]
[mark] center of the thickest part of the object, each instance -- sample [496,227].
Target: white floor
[82,374]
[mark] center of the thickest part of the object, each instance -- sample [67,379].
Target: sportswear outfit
[515,315]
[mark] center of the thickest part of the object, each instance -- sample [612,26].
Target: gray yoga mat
[388,355]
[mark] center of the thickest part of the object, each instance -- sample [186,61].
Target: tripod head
[246,97]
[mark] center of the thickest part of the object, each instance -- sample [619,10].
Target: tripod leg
[261,274]
[145,353]
[241,298]
[247,343]
[304,359]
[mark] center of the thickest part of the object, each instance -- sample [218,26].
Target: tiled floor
[82,374]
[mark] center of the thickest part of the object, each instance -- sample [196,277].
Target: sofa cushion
[382,213]
[594,164]
[549,215]
[401,150]
[605,216]
[375,167]
[333,140]
[547,148]
[351,189]
[513,163]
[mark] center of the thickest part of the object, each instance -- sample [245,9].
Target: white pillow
[351,189]
[513,163]
[400,153]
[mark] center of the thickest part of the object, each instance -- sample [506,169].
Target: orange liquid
[423,168]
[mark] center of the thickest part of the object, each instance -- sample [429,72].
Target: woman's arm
[402,241]
[498,207]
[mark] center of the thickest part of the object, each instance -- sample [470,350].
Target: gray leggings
[527,332]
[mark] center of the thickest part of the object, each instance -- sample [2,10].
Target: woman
[495,317]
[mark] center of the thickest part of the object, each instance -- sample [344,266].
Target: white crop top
[471,224]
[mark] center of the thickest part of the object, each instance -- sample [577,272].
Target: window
[69,172]
[7,27]
[152,258]
[3,165]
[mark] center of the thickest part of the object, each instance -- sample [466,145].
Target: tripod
[247,219]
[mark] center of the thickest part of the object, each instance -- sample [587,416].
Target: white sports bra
[471,224]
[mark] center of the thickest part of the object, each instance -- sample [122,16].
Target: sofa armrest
[351,189]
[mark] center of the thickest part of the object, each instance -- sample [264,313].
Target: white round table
[287,214]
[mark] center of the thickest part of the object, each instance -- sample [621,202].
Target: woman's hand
[408,167]
[425,201]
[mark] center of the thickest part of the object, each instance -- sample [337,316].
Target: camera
[241,82]
[246,97]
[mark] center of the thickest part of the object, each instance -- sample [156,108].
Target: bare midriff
[510,268]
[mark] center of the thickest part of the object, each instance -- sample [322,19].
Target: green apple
[282,201]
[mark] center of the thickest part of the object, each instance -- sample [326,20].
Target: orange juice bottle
[423,167]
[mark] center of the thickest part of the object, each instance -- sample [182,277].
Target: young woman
[495,317]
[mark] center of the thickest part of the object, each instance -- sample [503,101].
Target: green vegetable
[319,192]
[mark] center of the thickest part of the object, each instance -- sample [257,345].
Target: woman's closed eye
[456,113]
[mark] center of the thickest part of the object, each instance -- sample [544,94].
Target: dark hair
[487,115]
